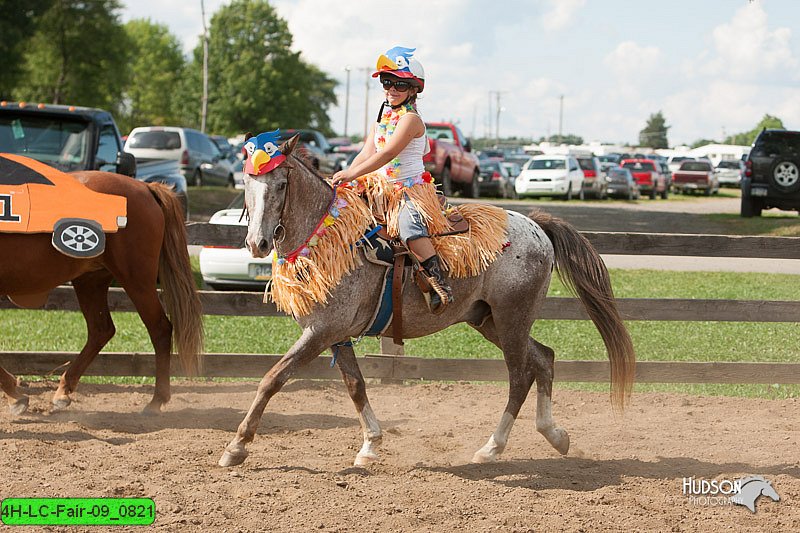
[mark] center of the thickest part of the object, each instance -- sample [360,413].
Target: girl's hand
[342,176]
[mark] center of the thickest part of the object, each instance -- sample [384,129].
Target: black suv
[772,173]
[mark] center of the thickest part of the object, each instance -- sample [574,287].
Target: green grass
[571,339]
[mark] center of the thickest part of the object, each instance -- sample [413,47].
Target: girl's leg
[414,233]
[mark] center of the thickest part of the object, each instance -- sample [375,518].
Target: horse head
[264,199]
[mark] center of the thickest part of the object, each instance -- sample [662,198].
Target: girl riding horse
[390,173]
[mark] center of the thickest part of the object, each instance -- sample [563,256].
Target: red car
[695,176]
[647,174]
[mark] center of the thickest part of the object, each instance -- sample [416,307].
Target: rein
[330,214]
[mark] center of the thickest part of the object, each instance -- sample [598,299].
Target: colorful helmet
[398,61]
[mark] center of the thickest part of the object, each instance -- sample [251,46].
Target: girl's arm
[409,127]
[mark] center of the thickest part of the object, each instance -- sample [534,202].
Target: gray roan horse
[501,303]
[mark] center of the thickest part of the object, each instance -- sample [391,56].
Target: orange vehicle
[37,198]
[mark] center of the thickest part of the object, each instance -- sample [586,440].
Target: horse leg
[91,290]
[306,348]
[145,299]
[351,374]
[531,361]
[17,402]
[544,358]
[521,374]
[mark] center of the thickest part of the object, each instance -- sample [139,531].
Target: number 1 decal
[5,213]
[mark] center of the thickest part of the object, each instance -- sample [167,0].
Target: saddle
[393,254]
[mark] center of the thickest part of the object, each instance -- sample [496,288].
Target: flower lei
[385,129]
[328,219]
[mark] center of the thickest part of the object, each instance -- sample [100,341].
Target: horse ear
[289,146]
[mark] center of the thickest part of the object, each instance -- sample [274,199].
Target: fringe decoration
[298,286]
[424,198]
[468,254]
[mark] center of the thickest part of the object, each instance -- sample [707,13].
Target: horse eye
[281,186]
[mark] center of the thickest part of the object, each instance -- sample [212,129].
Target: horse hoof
[19,406]
[61,403]
[481,458]
[152,409]
[364,459]
[559,439]
[232,459]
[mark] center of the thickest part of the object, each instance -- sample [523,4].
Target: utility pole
[368,72]
[347,99]
[498,109]
[560,117]
[489,118]
[204,106]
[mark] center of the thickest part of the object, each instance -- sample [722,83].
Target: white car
[229,267]
[730,172]
[551,175]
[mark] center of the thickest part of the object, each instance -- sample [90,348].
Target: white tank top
[410,157]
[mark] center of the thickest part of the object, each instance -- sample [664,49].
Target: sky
[712,67]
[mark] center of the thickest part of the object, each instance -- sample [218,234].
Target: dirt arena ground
[622,473]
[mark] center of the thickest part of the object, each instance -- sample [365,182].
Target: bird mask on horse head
[262,153]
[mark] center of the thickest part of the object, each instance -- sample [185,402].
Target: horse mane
[302,156]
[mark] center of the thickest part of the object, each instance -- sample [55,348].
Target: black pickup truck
[73,138]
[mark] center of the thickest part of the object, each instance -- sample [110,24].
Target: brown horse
[151,248]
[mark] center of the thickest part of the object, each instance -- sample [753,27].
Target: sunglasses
[400,85]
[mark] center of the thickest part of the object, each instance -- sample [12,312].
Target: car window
[193,140]
[695,166]
[155,140]
[440,134]
[639,166]
[546,164]
[107,149]
[586,163]
[208,146]
[728,164]
[60,143]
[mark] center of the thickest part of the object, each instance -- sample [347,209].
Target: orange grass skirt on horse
[297,287]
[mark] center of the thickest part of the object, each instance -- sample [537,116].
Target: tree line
[78,52]
[654,134]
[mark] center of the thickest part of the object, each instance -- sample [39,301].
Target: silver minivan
[199,157]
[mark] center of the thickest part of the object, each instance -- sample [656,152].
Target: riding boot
[442,294]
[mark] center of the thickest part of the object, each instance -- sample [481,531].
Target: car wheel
[79,238]
[474,186]
[665,193]
[197,178]
[750,207]
[582,195]
[653,193]
[786,176]
[447,182]
[568,196]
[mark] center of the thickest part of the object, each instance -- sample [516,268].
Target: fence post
[388,347]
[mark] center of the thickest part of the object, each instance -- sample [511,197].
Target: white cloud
[747,47]
[631,60]
[560,13]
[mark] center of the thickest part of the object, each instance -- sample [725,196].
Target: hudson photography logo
[719,492]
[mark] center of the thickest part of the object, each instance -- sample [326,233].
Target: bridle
[279,233]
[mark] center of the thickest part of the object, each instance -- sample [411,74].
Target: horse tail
[583,272]
[177,283]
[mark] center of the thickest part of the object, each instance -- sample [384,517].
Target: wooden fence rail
[412,368]
[604,242]
[555,308]
[396,368]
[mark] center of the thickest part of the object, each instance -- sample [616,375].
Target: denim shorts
[410,222]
